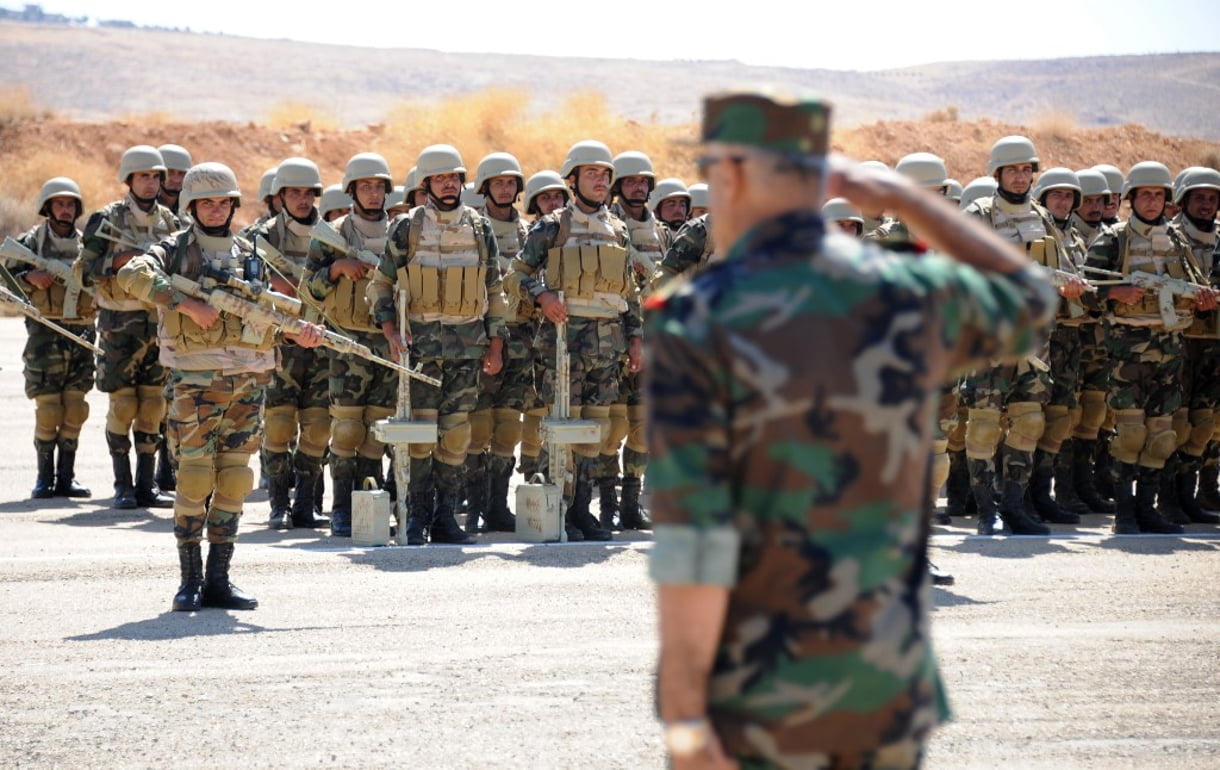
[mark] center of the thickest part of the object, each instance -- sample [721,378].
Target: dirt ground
[1076,651]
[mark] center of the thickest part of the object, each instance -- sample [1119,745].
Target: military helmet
[333,199]
[472,197]
[540,183]
[498,164]
[634,163]
[590,152]
[396,197]
[1196,178]
[980,187]
[839,208]
[60,186]
[1056,179]
[412,183]
[924,168]
[1148,173]
[954,193]
[439,159]
[209,180]
[176,158]
[1092,182]
[698,195]
[264,184]
[297,172]
[666,189]
[142,157]
[1114,177]
[367,165]
[1011,151]
[875,164]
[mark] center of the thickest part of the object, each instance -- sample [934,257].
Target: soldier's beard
[1014,198]
[637,202]
[61,227]
[145,204]
[306,220]
[445,202]
[1203,225]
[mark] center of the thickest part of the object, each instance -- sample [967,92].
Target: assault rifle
[1166,288]
[252,290]
[287,268]
[1060,278]
[62,271]
[261,315]
[11,295]
[322,231]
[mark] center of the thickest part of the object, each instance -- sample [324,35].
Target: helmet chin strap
[1011,197]
[444,203]
[581,197]
[145,204]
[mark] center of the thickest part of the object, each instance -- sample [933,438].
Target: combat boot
[1167,505]
[166,478]
[477,491]
[631,515]
[1103,478]
[343,473]
[147,494]
[422,501]
[1012,511]
[577,516]
[1195,514]
[44,486]
[1146,515]
[190,591]
[307,471]
[982,489]
[217,590]
[1124,501]
[957,486]
[1065,481]
[1208,495]
[65,474]
[499,517]
[1040,492]
[124,492]
[444,527]
[939,576]
[1087,474]
[319,491]
[277,492]
[607,502]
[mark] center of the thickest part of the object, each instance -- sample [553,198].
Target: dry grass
[303,116]
[943,115]
[16,104]
[1056,125]
[1211,159]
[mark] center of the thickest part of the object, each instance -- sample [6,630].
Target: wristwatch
[687,737]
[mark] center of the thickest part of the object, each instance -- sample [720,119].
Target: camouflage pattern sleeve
[687,249]
[317,280]
[497,308]
[522,277]
[144,276]
[93,246]
[1103,255]
[382,290]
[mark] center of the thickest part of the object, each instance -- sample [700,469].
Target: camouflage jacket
[793,391]
[691,247]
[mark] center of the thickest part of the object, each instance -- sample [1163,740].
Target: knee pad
[1202,427]
[150,412]
[280,427]
[1161,443]
[1093,410]
[1181,425]
[957,436]
[482,424]
[48,416]
[1026,425]
[1058,424]
[531,432]
[1130,433]
[371,448]
[423,451]
[940,467]
[315,431]
[452,439]
[234,480]
[1111,419]
[1073,420]
[347,430]
[76,411]
[617,428]
[637,431]
[122,412]
[196,480]
[506,432]
[601,416]
[982,433]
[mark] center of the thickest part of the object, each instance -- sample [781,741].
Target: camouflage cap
[793,126]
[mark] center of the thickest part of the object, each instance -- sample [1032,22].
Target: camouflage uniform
[128,369]
[691,247]
[58,372]
[808,478]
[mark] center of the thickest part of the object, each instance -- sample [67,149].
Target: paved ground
[1079,650]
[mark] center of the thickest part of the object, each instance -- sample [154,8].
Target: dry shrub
[1058,125]
[29,171]
[305,117]
[14,216]
[943,115]
[150,118]
[1211,159]
[16,104]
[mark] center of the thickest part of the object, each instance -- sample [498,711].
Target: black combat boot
[939,576]
[307,471]
[957,486]
[1087,474]
[422,501]
[44,486]
[1124,501]
[319,491]
[1146,514]
[343,474]
[982,488]
[499,517]
[166,478]
[1065,480]
[1185,481]
[1208,495]
[65,473]
[607,502]
[124,492]
[1103,478]
[577,516]
[190,591]
[631,514]
[1167,504]
[277,491]
[1012,511]
[217,590]
[477,486]
[147,494]
[444,527]
[529,466]
[1040,491]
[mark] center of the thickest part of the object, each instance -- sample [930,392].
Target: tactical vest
[589,264]
[1087,232]
[54,301]
[179,331]
[1153,249]
[1024,225]
[1203,247]
[446,267]
[1071,251]
[293,241]
[145,230]
[347,304]
[510,239]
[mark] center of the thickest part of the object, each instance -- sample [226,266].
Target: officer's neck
[496,211]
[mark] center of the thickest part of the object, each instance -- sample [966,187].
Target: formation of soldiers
[1125,390]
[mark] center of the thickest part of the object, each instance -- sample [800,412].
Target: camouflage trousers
[1195,421]
[627,422]
[361,392]
[595,351]
[504,396]
[1064,360]
[58,373]
[1145,369]
[907,755]
[449,406]
[1022,389]
[129,351]
[216,421]
[297,408]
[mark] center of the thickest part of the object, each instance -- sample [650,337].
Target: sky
[854,35]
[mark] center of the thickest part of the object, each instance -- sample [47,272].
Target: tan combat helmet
[472,197]
[1195,178]
[412,182]
[979,187]
[1114,177]
[498,164]
[923,168]
[176,158]
[1011,151]
[666,189]
[1148,173]
[540,183]
[838,209]
[142,157]
[953,190]
[875,164]
[367,165]
[210,180]
[297,172]
[633,163]
[1092,182]
[698,196]
[590,152]
[1058,178]
[397,198]
[334,199]
[439,159]
[59,187]
[264,184]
